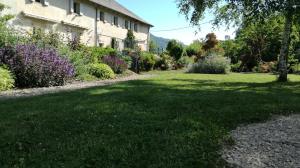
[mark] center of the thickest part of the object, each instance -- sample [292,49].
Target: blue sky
[164,15]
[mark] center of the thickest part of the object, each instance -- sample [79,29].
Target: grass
[172,120]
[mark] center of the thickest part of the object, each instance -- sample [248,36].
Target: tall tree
[175,49]
[247,11]
[210,41]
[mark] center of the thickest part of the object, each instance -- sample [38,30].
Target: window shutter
[71,6]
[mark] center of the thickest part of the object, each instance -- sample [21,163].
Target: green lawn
[169,121]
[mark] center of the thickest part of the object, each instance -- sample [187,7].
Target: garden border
[17,93]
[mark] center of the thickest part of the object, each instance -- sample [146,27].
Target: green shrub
[79,59]
[101,71]
[211,65]
[127,59]
[6,80]
[184,61]
[175,49]
[9,37]
[42,39]
[236,67]
[87,77]
[165,62]
[97,53]
[147,61]
[294,69]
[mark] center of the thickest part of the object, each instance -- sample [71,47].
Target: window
[114,43]
[44,2]
[126,24]
[116,20]
[101,15]
[131,25]
[135,27]
[76,7]
[101,44]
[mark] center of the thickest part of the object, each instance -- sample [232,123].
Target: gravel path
[69,87]
[273,144]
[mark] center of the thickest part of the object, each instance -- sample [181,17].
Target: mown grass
[171,120]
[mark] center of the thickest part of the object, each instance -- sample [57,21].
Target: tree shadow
[179,123]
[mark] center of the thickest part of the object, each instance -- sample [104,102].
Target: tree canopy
[245,12]
[175,49]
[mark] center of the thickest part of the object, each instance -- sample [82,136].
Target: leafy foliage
[117,64]
[130,40]
[6,79]
[194,49]
[44,40]
[35,67]
[247,12]
[210,42]
[258,43]
[175,49]
[97,53]
[7,35]
[211,65]
[75,43]
[78,58]
[147,60]
[185,61]
[101,71]
[152,47]
[165,62]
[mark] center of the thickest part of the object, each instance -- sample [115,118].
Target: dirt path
[69,87]
[273,144]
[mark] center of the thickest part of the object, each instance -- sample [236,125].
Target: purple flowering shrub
[36,67]
[117,65]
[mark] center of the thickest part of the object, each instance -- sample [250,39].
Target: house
[96,22]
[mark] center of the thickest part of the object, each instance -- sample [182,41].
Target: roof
[113,5]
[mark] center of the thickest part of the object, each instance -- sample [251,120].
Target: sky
[164,15]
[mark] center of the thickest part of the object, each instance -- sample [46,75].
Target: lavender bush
[35,67]
[118,65]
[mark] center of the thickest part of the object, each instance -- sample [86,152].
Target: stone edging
[69,87]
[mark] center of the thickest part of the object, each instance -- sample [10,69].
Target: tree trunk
[284,51]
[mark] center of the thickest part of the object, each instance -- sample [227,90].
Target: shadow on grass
[144,123]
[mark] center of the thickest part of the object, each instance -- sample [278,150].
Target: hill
[160,41]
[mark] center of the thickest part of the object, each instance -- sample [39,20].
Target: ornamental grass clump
[211,65]
[117,65]
[36,67]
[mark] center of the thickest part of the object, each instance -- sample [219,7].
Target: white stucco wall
[50,18]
